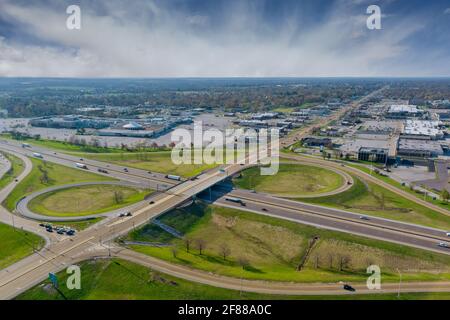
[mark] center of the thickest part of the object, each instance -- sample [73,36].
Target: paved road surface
[339,220]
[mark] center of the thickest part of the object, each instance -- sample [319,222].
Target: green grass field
[121,280]
[396,184]
[86,200]
[16,244]
[291,180]
[45,174]
[17,167]
[374,200]
[63,146]
[272,249]
[151,161]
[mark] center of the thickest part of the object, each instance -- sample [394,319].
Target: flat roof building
[403,111]
[423,128]
[420,148]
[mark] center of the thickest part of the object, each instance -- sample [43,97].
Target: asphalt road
[5,165]
[23,208]
[156,181]
[97,240]
[367,177]
[338,220]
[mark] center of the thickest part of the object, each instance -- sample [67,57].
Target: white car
[443,245]
[448,234]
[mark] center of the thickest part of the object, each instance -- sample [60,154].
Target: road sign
[54,279]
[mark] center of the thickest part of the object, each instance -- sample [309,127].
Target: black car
[349,288]
[152,202]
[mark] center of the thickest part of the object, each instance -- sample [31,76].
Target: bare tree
[187,243]
[118,197]
[174,251]
[224,250]
[243,262]
[344,261]
[201,245]
[316,261]
[330,260]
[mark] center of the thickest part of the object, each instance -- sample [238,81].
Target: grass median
[17,167]
[46,174]
[117,279]
[86,200]
[291,180]
[371,199]
[240,244]
[16,244]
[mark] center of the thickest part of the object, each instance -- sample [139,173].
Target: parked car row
[59,230]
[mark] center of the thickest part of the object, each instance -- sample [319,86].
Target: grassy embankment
[291,180]
[371,199]
[367,198]
[86,200]
[121,280]
[17,167]
[261,247]
[151,160]
[16,244]
[45,174]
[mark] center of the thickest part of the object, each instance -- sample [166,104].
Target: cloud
[447,11]
[150,39]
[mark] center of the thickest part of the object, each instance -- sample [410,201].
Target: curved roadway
[22,206]
[92,242]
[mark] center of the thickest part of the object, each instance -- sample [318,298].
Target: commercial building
[317,142]
[69,122]
[133,126]
[403,112]
[373,155]
[422,129]
[416,148]
[126,133]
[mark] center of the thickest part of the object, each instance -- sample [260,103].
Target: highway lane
[381,230]
[21,276]
[19,279]
[366,177]
[5,165]
[18,222]
[87,243]
[273,287]
[304,132]
[150,180]
[23,209]
[269,200]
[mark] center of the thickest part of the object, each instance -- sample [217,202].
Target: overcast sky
[224,38]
